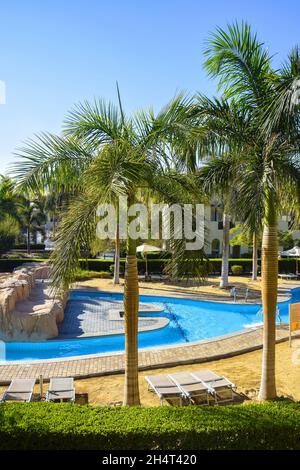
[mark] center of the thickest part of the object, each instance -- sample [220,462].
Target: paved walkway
[83,367]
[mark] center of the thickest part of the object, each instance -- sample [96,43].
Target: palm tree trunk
[269,302]
[116,279]
[225,250]
[53,223]
[254,257]
[131,306]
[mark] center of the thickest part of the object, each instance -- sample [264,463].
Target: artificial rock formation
[28,309]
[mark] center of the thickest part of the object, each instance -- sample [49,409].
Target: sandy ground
[243,370]
[210,290]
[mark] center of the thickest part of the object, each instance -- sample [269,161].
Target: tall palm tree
[109,156]
[9,201]
[243,235]
[32,217]
[269,171]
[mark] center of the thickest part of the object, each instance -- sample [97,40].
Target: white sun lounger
[288,276]
[221,388]
[164,387]
[192,387]
[19,390]
[61,389]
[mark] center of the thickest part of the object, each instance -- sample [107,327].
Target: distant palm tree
[227,132]
[113,156]
[9,201]
[32,217]
[267,173]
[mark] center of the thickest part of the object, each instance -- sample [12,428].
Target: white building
[214,232]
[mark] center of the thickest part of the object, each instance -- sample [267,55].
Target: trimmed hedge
[155,266]
[237,269]
[8,265]
[48,426]
[99,265]
[33,246]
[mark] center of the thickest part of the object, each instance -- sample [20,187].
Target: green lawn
[66,426]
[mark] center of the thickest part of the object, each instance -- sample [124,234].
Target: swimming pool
[190,321]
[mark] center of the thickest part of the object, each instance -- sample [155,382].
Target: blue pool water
[190,320]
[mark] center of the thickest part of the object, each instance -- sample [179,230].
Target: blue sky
[56,53]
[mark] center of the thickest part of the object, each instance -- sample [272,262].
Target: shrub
[8,265]
[154,265]
[83,275]
[61,426]
[104,274]
[33,246]
[9,230]
[237,269]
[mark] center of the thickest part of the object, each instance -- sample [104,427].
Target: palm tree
[116,157]
[227,132]
[32,218]
[9,201]
[267,176]
[243,235]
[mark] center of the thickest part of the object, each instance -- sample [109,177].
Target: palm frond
[239,61]
[76,231]
[98,123]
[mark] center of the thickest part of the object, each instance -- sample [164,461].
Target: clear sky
[54,53]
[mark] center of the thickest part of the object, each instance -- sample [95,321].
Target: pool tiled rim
[78,367]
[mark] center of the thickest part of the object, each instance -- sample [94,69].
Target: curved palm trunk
[269,301]
[28,239]
[254,257]
[131,306]
[225,251]
[54,222]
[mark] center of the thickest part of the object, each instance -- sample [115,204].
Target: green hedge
[8,265]
[155,265]
[64,426]
[33,246]
[284,265]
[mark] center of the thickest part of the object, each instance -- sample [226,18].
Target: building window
[216,214]
[215,248]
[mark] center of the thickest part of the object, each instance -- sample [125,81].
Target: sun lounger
[61,389]
[164,387]
[19,390]
[221,388]
[192,387]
